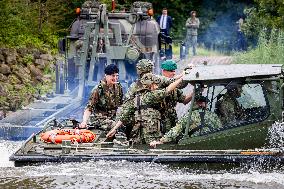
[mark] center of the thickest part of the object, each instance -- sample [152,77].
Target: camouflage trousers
[103,122]
[191,41]
[142,136]
[169,120]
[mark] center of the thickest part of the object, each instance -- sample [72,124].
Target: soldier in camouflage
[143,108]
[104,101]
[228,108]
[211,123]
[192,25]
[146,66]
[143,66]
[168,112]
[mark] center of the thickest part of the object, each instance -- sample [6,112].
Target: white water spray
[276,135]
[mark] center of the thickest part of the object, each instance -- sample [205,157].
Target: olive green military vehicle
[239,139]
[97,37]
[100,37]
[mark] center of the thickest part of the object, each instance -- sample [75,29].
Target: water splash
[6,149]
[276,135]
[124,174]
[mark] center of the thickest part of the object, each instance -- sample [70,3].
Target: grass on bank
[270,50]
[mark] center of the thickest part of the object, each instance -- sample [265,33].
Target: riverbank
[25,74]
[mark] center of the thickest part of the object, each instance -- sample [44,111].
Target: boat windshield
[230,106]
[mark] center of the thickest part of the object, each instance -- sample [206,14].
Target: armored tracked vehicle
[99,37]
[236,141]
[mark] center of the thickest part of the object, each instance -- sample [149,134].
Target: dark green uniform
[229,109]
[146,117]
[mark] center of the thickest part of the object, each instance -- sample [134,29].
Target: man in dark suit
[165,22]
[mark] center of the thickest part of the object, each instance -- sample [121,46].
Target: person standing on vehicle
[211,122]
[104,101]
[144,66]
[165,22]
[192,25]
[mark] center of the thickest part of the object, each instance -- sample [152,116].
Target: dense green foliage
[218,27]
[264,15]
[36,23]
[268,51]
[40,22]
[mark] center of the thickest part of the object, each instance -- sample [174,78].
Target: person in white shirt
[165,22]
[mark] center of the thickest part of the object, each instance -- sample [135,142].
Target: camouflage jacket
[168,111]
[211,122]
[105,100]
[192,26]
[135,86]
[146,117]
[229,109]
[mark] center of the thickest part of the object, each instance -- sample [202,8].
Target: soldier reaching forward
[168,112]
[143,107]
[104,101]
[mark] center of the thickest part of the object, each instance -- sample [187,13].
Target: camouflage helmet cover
[144,66]
[149,78]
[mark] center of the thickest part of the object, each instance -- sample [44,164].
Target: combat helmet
[144,66]
[149,78]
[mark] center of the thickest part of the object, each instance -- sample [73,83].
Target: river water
[123,174]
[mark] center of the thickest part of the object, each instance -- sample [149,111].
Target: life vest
[57,135]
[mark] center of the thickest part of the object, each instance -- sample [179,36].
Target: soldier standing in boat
[144,108]
[104,101]
[168,112]
[145,66]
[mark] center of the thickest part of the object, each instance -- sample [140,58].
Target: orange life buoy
[79,135]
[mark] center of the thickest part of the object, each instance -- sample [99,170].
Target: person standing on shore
[192,25]
[165,22]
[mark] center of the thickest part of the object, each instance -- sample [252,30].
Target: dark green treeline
[39,23]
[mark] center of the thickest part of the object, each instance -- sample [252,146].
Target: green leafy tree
[264,15]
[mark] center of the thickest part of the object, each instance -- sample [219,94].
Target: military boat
[240,140]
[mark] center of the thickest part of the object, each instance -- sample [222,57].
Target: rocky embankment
[24,75]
